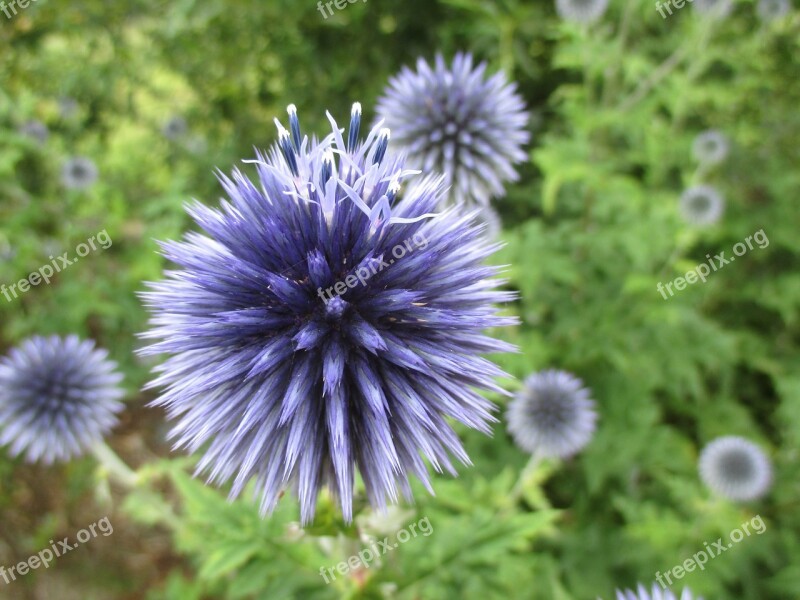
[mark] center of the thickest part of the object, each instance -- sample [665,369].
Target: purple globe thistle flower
[58,398]
[771,10]
[657,593]
[714,9]
[735,468]
[175,128]
[552,415]
[459,123]
[51,248]
[581,11]
[67,107]
[79,173]
[35,130]
[701,205]
[323,325]
[7,251]
[710,147]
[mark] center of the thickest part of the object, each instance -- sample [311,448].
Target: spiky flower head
[735,468]
[770,10]
[79,173]
[458,122]
[656,593]
[581,11]
[7,251]
[35,130]
[324,325]
[552,415]
[701,205]
[714,9]
[175,128]
[58,398]
[67,107]
[710,147]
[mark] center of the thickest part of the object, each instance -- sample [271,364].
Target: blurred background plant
[158,95]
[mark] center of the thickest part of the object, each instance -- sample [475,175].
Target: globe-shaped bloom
[581,11]
[35,130]
[656,593]
[175,128]
[67,107]
[710,147]
[7,251]
[196,144]
[58,398]
[701,205]
[714,9]
[51,248]
[735,468]
[79,173]
[770,10]
[552,415]
[458,122]
[325,324]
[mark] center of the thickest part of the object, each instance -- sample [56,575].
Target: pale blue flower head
[701,205]
[58,398]
[327,322]
[79,173]
[771,10]
[581,11]
[710,147]
[552,415]
[175,128]
[713,9]
[735,468]
[459,122]
[656,593]
[35,130]
[67,107]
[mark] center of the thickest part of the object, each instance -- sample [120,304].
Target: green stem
[613,75]
[684,242]
[660,73]
[507,46]
[696,67]
[527,471]
[114,465]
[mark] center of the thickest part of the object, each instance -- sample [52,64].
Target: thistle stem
[114,465]
[527,470]
[660,73]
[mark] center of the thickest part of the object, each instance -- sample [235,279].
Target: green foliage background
[591,228]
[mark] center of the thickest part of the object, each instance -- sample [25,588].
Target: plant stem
[612,76]
[661,72]
[528,469]
[114,465]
